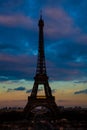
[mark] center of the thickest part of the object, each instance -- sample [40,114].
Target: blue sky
[65,38]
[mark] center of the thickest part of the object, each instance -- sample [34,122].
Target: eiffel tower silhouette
[41,78]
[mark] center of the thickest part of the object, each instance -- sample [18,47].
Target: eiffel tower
[41,78]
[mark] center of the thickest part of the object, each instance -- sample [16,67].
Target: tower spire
[41,65]
[41,14]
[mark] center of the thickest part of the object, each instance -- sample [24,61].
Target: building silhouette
[41,78]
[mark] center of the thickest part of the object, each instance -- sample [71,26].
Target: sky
[65,39]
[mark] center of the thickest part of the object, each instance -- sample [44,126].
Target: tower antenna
[41,13]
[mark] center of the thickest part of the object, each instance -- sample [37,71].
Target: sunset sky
[65,38]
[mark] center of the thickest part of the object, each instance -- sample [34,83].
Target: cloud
[16,21]
[61,100]
[81,81]
[81,92]
[17,89]
[53,90]
[40,89]
[3,78]
[20,89]
[21,67]
[17,6]
[65,39]
[63,24]
[29,91]
[5,47]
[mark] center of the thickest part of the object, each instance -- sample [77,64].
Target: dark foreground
[66,119]
[44,125]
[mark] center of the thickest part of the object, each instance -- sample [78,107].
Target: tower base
[41,101]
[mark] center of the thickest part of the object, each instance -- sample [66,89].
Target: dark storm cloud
[81,92]
[17,89]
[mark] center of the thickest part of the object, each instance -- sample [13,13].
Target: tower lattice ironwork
[41,78]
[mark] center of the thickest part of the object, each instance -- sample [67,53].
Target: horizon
[65,39]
